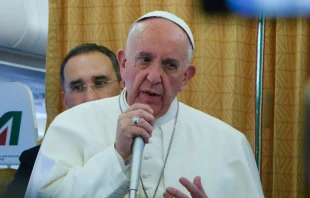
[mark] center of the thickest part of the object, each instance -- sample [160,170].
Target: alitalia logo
[10,127]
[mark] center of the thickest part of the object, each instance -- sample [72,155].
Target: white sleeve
[124,166]
[62,170]
[101,176]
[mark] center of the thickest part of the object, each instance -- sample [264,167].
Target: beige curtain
[286,69]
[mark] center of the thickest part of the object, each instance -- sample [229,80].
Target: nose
[154,74]
[90,94]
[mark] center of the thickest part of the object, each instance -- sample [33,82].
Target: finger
[143,124]
[141,113]
[139,132]
[137,106]
[197,183]
[192,189]
[175,193]
[129,130]
[167,195]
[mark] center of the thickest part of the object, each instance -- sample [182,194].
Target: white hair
[190,53]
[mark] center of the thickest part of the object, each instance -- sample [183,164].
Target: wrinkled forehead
[158,37]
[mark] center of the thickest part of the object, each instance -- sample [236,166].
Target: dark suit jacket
[17,188]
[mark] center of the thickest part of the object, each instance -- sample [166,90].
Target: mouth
[151,93]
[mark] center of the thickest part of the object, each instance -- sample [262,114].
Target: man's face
[155,65]
[89,68]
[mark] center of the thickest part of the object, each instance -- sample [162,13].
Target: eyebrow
[94,78]
[74,82]
[143,54]
[100,77]
[165,61]
[171,60]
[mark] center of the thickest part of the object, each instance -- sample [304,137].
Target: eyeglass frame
[85,86]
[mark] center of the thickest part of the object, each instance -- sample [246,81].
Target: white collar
[171,113]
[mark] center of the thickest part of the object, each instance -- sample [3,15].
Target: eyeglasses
[80,89]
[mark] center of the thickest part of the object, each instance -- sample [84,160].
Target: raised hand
[195,189]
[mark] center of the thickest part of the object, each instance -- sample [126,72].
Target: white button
[147,157]
[145,176]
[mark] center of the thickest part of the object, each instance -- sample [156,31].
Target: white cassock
[77,157]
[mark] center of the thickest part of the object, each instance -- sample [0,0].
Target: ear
[121,60]
[189,73]
[64,102]
[122,84]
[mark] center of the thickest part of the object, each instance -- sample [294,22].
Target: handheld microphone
[137,151]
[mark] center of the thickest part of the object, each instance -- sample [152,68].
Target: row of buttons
[146,175]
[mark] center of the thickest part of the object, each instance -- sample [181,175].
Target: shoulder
[209,124]
[91,109]
[91,121]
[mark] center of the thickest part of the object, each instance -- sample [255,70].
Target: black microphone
[137,151]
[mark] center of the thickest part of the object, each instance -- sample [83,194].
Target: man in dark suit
[88,72]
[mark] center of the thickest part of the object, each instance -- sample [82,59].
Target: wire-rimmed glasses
[79,90]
